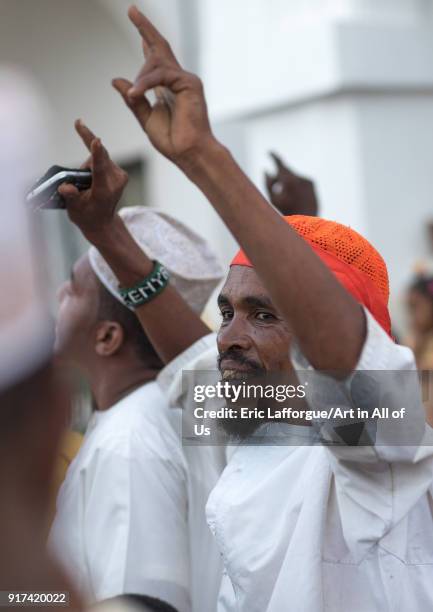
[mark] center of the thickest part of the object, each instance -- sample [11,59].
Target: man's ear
[109,338]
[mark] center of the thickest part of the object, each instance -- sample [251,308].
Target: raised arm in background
[290,193]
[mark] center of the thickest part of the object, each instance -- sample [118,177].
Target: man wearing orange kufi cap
[353,260]
[322,510]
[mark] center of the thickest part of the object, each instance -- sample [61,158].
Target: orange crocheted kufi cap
[354,261]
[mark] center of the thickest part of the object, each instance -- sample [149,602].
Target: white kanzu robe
[130,516]
[308,528]
[205,466]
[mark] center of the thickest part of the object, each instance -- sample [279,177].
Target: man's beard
[239,429]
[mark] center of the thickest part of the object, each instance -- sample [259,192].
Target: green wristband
[147,289]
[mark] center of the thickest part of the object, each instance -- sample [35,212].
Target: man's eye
[265,316]
[226,315]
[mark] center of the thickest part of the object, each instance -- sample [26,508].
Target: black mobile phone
[44,192]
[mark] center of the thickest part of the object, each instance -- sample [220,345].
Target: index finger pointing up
[152,39]
[147,30]
[277,159]
[86,135]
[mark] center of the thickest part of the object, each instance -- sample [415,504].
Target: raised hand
[92,210]
[289,193]
[177,124]
[178,127]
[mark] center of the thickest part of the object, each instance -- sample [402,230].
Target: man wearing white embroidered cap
[130,517]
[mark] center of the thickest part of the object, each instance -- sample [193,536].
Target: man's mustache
[239,358]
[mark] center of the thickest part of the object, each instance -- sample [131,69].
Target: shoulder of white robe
[26,334]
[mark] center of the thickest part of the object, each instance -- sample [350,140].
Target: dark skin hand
[176,124]
[179,96]
[94,212]
[330,330]
[290,193]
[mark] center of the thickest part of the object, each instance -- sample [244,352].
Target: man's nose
[234,335]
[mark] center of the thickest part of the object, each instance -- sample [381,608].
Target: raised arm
[170,324]
[290,193]
[327,321]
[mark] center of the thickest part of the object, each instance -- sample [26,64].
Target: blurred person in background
[420,312]
[131,512]
[34,400]
[290,193]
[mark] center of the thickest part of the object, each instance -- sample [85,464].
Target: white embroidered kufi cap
[194,269]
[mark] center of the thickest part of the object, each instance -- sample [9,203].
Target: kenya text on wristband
[147,289]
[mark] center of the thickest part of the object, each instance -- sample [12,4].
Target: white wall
[319,140]
[73,49]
